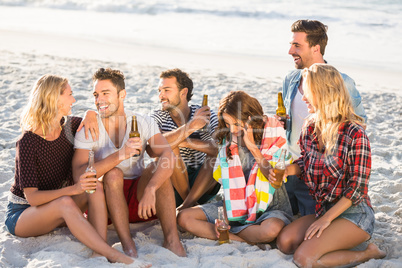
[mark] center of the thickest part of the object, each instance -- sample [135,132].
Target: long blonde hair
[325,89]
[42,109]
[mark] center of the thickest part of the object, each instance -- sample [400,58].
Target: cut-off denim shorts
[362,215]
[279,208]
[13,213]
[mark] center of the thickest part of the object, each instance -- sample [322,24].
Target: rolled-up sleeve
[359,162]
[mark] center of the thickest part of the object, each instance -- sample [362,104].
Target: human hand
[219,223]
[146,206]
[248,137]
[272,178]
[132,147]
[86,182]
[201,118]
[90,123]
[317,227]
[281,120]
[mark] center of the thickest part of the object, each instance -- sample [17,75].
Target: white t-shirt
[133,167]
[299,113]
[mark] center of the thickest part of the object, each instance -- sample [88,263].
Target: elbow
[32,201]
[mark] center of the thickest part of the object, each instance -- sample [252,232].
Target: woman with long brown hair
[249,144]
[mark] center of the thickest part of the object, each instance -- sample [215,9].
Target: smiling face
[65,101]
[170,96]
[235,126]
[303,55]
[107,100]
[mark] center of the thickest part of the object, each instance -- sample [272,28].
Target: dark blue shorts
[13,213]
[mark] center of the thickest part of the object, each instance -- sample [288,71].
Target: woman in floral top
[335,164]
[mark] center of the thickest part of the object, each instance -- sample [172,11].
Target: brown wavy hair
[245,108]
[115,76]
[183,80]
[316,32]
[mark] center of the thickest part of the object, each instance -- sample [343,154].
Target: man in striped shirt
[188,130]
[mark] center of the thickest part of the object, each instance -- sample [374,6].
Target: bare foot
[118,256]
[176,248]
[141,264]
[96,255]
[375,252]
[263,246]
[130,249]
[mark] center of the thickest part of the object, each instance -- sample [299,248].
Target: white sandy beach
[24,56]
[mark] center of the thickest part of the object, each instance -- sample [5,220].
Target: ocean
[362,32]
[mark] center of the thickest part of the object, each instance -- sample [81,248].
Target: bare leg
[97,211]
[292,235]
[266,232]
[204,183]
[193,220]
[332,248]
[118,210]
[40,220]
[165,209]
[179,177]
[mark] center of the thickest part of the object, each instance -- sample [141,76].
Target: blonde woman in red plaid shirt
[335,164]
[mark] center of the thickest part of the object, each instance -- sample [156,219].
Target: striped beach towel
[243,202]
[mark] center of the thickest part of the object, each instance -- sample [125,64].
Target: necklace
[44,133]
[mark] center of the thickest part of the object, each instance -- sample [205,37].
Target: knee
[269,234]
[183,219]
[113,177]
[302,258]
[66,204]
[285,243]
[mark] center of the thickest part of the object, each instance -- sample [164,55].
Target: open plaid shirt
[345,173]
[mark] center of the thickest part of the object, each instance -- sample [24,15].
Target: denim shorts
[279,208]
[362,215]
[12,215]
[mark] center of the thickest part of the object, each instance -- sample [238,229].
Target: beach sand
[23,61]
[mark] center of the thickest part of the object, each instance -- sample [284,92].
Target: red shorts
[130,193]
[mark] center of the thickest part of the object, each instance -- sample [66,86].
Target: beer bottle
[134,131]
[279,170]
[205,103]
[223,227]
[281,110]
[91,168]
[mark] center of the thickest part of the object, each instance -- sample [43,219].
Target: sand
[23,61]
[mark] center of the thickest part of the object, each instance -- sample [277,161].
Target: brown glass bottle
[205,103]
[279,170]
[134,133]
[223,227]
[281,110]
[91,168]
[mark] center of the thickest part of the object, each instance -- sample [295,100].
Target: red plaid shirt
[345,173]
